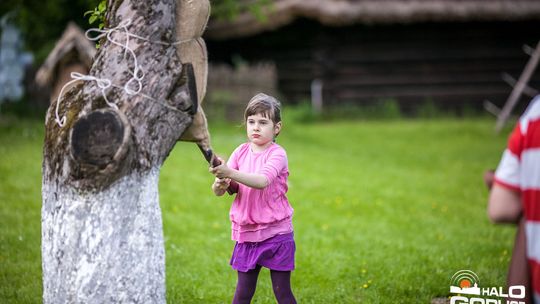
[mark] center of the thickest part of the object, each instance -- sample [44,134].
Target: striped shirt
[519,170]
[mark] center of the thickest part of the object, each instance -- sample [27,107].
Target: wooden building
[73,52]
[450,52]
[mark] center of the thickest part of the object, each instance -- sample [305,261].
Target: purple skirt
[275,253]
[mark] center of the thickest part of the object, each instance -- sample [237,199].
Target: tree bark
[102,239]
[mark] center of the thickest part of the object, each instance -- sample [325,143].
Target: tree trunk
[102,239]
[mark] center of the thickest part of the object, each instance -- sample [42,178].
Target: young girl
[260,214]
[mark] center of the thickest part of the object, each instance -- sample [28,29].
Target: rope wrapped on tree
[137,74]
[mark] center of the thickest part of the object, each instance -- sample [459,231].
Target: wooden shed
[73,52]
[451,52]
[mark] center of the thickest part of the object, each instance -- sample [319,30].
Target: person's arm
[489,178]
[253,180]
[260,180]
[504,205]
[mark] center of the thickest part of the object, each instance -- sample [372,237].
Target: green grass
[385,212]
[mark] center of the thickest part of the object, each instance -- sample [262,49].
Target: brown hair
[265,105]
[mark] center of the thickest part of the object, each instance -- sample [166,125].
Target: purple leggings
[247,282]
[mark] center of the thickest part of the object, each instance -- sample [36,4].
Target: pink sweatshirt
[259,214]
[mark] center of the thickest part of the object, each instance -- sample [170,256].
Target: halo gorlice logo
[466,282]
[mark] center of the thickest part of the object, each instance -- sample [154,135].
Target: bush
[302,112]
[383,109]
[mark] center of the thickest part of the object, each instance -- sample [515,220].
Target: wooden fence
[230,88]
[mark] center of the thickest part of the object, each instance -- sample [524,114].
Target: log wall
[454,65]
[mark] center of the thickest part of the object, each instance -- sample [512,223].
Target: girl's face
[261,130]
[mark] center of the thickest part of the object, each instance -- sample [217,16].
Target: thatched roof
[72,41]
[348,12]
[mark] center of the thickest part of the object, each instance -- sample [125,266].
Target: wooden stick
[214,162]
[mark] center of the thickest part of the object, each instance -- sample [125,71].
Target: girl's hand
[222,183]
[221,171]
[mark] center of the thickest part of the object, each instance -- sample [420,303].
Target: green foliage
[217,100]
[22,108]
[382,109]
[428,109]
[467,110]
[98,14]
[302,112]
[258,9]
[42,22]
[385,212]
[231,9]
[222,9]
[390,108]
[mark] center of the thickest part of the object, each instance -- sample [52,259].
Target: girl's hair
[265,105]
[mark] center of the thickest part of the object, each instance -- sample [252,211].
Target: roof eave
[343,13]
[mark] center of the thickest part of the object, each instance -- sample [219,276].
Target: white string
[103,83]
[137,74]
[124,24]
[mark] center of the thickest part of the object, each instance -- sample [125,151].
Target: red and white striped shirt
[519,170]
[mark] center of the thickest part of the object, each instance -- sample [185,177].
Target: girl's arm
[253,180]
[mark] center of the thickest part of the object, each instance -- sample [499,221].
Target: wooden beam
[511,81]
[518,89]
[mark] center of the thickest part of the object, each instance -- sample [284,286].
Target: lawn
[385,212]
